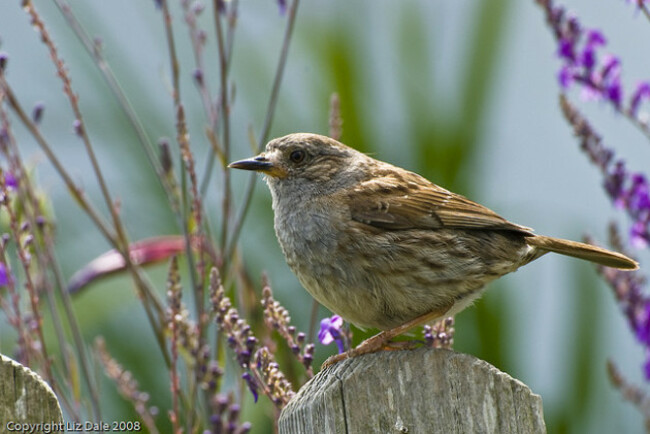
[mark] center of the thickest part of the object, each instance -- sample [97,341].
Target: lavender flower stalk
[277,318]
[628,190]
[584,65]
[264,375]
[600,77]
[440,334]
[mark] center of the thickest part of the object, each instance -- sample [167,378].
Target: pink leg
[381,340]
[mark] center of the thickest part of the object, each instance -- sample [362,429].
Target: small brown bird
[385,248]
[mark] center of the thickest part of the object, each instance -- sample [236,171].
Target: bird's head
[304,158]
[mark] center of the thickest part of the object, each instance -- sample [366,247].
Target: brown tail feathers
[583,251]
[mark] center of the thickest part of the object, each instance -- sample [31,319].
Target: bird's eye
[297,156]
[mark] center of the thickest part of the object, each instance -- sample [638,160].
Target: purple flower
[588,56]
[565,77]
[565,49]
[607,83]
[639,237]
[628,288]
[639,200]
[250,383]
[614,181]
[595,37]
[78,127]
[4,58]
[37,112]
[642,91]
[11,183]
[614,92]
[578,50]
[4,275]
[611,65]
[330,331]
[282,4]
[642,323]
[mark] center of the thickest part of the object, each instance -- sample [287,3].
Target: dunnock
[384,247]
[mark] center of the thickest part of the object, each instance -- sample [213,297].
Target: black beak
[258,164]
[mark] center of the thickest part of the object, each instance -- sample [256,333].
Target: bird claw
[380,341]
[333,360]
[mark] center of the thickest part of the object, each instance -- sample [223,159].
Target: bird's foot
[379,342]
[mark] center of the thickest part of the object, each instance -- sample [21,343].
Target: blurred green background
[462,92]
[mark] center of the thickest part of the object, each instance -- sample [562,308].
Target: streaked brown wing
[405,200]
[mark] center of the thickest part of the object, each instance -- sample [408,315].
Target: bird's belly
[384,280]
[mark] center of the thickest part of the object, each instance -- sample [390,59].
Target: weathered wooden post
[419,391]
[27,404]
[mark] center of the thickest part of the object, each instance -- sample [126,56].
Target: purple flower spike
[330,331]
[578,49]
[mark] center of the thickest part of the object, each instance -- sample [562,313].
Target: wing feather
[398,199]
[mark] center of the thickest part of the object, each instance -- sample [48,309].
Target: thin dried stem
[225,122]
[264,133]
[93,48]
[642,6]
[25,260]
[174,301]
[47,259]
[216,147]
[630,392]
[127,385]
[120,240]
[152,305]
[182,138]
[335,120]
[80,128]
